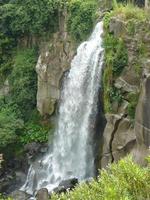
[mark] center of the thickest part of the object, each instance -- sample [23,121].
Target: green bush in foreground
[122,181]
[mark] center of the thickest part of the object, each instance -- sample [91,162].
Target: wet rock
[20,195]
[59,190]
[70,183]
[33,149]
[66,185]
[6,181]
[42,194]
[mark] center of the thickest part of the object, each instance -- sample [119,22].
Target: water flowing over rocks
[72,153]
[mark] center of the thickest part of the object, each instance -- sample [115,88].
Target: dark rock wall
[122,135]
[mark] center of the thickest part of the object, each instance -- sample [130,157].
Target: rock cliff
[124,134]
[55,58]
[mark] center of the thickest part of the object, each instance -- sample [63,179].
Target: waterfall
[72,153]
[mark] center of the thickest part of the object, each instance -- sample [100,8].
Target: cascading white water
[72,154]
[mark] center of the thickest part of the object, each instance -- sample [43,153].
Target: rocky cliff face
[54,60]
[123,135]
[142,118]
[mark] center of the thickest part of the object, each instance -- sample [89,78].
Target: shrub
[5,198]
[10,125]
[37,129]
[29,17]
[82,15]
[124,181]
[6,46]
[116,55]
[23,81]
[34,133]
[116,59]
[130,11]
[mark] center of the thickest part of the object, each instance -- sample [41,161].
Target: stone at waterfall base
[20,195]
[66,185]
[42,194]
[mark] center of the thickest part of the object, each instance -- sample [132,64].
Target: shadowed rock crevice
[112,138]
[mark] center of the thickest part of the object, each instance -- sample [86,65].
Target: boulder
[124,140]
[42,194]
[118,140]
[59,190]
[66,185]
[70,183]
[120,83]
[117,26]
[20,195]
[33,149]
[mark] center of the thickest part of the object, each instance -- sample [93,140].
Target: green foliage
[36,129]
[122,181]
[10,125]
[131,27]
[23,80]
[115,4]
[116,58]
[34,133]
[28,17]
[107,86]
[116,55]
[82,15]
[5,198]
[130,11]
[141,49]
[6,46]
[115,95]
[106,20]
[17,108]
[133,100]
[120,59]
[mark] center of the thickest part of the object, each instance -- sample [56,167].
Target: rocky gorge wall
[126,132]
[54,60]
